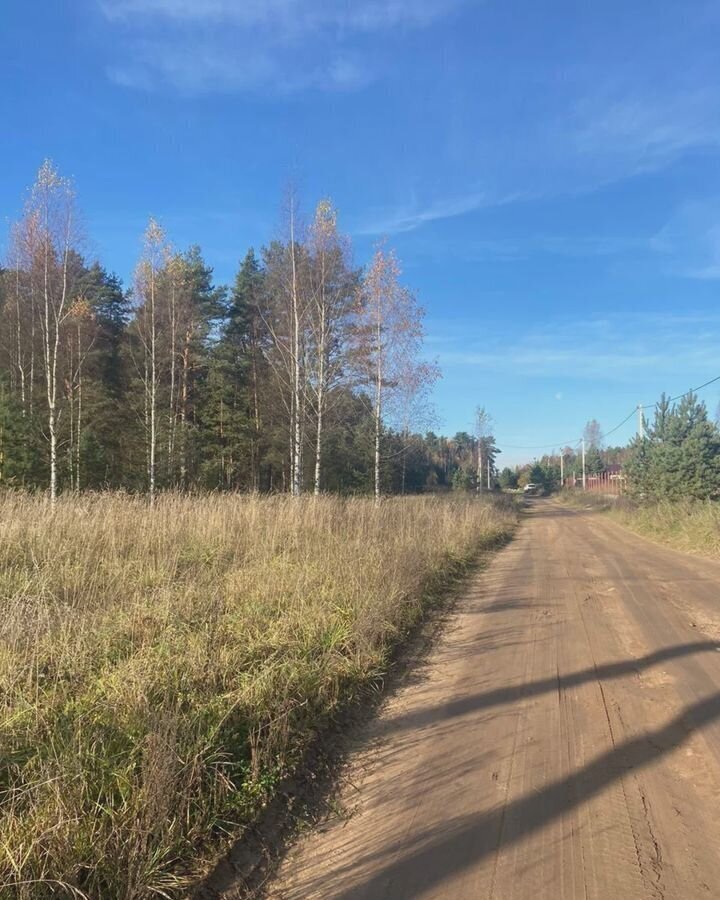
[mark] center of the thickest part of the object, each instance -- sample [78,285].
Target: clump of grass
[162,669]
[689,525]
[692,526]
[590,500]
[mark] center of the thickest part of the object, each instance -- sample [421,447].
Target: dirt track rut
[562,742]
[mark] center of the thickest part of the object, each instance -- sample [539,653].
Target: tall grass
[161,669]
[689,525]
[692,526]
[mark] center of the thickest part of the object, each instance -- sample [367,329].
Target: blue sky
[548,172]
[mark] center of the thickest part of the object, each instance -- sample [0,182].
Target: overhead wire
[617,427]
[685,394]
[574,442]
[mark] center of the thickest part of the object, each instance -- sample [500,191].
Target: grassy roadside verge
[692,526]
[161,671]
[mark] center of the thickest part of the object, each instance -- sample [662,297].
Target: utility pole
[583,460]
[562,469]
[488,470]
[641,422]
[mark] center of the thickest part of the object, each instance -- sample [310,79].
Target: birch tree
[80,337]
[483,424]
[412,410]
[147,296]
[50,230]
[332,294]
[287,324]
[298,393]
[390,335]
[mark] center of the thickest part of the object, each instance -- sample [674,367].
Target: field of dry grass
[161,669]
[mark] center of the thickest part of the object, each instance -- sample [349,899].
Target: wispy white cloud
[613,349]
[414,214]
[287,15]
[589,140]
[642,131]
[610,128]
[688,245]
[597,139]
[202,68]
[202,46]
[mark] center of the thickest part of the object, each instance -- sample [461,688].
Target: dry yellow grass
[161,669]
[692,526]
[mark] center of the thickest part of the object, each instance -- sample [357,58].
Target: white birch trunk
[153,386]
[322,376]
[79,416]
[297,429]
[256,435]
[183,407]
[172,412]
[31,384]
[18,336]
[53,318]
[378,406]
[318,442]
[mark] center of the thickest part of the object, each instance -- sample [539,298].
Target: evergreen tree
[233,410]
[680,455]
[18,459]
[111,441]
[593,461]
[201,307]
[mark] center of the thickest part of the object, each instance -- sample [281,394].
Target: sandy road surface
[562,742]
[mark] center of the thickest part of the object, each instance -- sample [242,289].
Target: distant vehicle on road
[532,489]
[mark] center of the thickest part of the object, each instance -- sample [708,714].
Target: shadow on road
[513,693]
[432,858]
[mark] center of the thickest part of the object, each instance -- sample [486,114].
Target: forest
[307,374]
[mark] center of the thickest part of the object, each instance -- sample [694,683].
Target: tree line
[306,374]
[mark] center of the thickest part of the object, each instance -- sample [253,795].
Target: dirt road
[562,742]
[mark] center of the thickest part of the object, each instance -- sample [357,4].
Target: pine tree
[232,412]
[679,457]
[111,440]
[201,306]
[16,445]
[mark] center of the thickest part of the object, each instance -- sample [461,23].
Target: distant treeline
[306,374]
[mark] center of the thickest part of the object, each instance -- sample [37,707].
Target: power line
[570,443]
[613,430]
[575,442]
[691,391]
